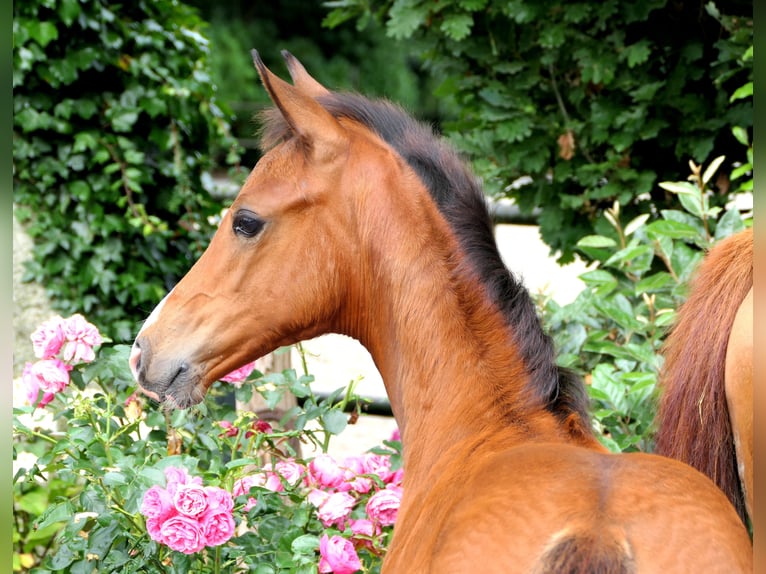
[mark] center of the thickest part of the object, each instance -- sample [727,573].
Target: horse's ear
[301,78]
[318,131]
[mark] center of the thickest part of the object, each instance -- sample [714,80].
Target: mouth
[174,383]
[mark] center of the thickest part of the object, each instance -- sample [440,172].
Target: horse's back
[552,508]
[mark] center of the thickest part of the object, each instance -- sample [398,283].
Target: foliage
[613,331]
[571,106]
[78,492]
[115,121]
[340,59]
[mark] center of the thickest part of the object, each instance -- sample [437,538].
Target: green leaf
[655,282]
[42,32]
[742,92]
[729,224]
[305,544]
[596,241]
[600,280]
[334,421]
[712,168]
[671,229]
[457,26]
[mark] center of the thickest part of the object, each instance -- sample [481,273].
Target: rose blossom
[290,470]
[32,388]
[337,555]
[190,499]
[182,533]
[353,466]
[217,526]
[325,471]
[177,476]
[383,506]
[238,376]
[219,499]
[267,480]
[379,465]
[157,503]
[336,509]
[81,337]
[47,375]
[48,338]
[363,530]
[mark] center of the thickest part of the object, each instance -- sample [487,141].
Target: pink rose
[353,467]
[383,506]
[177,476]
[217,527]
[363,532]
[183,534]
[395,436]
[228,429]
[267,480]
[336,509]
[48,338]
[317,497]
[337,555]
[47,375]
[81,337]
[238,376]
[157,503]
[379,465]
[190,499]
[290,470]
[153,527]
[325,471]
[219,499]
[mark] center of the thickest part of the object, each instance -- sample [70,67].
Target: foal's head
[279,268]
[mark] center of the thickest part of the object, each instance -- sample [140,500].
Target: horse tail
[692,422]
[598,551]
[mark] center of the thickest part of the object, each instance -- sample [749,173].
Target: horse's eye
[247,223]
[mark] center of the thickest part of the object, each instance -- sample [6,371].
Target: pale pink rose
[183,534]
[325,471]
[238,376]
[397,477]
[379,465]
[267,480]
[157,503]
[190,499]
[353,467]
[336,509]
[337,555]
[81,337]
[363,530]
[177,476]
[48,338]
[289,470]
[47,375]
[217,527]
[219,499]
[317,497]
[153,527]
[383,506]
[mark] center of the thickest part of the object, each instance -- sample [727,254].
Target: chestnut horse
[358,220]
[705,416]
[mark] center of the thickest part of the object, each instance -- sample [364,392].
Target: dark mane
[459,197]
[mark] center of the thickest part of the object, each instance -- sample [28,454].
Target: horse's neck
[446,355]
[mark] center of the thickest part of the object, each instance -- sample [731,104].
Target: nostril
[135,360]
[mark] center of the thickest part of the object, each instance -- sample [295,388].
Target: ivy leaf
[42,32]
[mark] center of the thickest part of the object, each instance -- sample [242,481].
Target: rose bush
[106,480]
